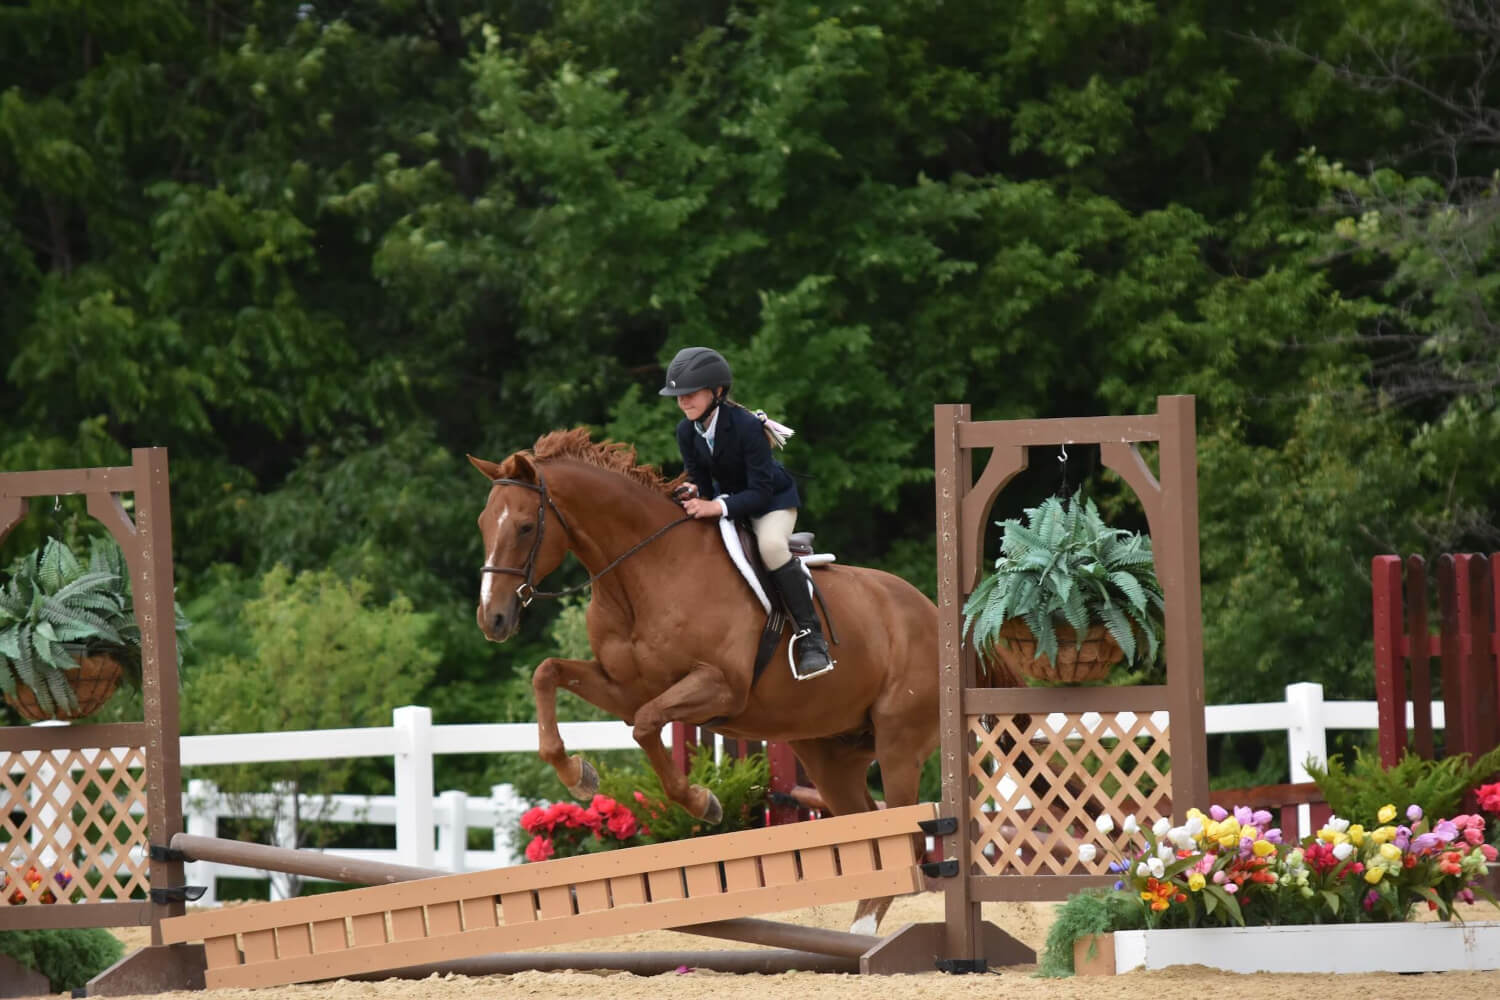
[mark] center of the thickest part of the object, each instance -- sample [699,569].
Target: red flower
[540,849]
[622,824]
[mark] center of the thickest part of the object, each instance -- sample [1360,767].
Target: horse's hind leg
[840,769]
[704,694]
[587,680]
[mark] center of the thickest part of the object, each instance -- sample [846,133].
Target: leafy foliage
[320,655]
[1357,792]
[1084,914]
[68,958]
[53,603]
[739,783]
[1066,566]
[323,250]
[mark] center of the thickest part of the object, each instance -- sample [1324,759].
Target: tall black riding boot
[811,651]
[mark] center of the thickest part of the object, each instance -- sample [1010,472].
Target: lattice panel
[1043,783]
[75,825]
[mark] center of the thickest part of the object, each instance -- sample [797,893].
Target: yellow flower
[1263,848]
[1374,874]
[1390,852]
[1196,881]
[1383,835]
[1356,834]
[1387,813]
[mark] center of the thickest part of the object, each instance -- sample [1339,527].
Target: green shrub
[1358,792]
[1084,914]
[68,958]
[739,783]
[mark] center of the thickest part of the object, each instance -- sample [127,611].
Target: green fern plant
[1358,792]
[1066,566]
[55,608]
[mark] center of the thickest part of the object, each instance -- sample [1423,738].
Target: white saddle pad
[742,562]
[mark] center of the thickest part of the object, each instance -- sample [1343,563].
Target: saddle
[778,619]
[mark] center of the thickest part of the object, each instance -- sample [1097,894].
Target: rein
[527,591]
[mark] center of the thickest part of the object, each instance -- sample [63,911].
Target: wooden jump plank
[703,880]
[221,952]
[328,935]
[407,924]
[294,942]
[652,916]
[741,874]
[779,869]
[479,913]
[443,918]
[554,901]
[369,929]
[819,863]
[563,871]
[592,896]
[856,858]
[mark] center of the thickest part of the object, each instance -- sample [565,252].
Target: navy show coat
[741,469]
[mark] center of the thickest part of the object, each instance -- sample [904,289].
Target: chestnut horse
[674,630]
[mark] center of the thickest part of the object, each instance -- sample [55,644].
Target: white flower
[1165,852]
[1342,851]
[1161,827]
[1180,837]
[1087,853]
[1142,871]
[1337,825]
[1157,867]
[1105,823]
[1131,827]
[1194,826]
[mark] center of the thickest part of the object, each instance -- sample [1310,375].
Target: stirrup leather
[791,658]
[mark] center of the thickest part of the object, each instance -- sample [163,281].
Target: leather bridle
[527,591]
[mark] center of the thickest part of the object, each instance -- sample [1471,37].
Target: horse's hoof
[588,781]
[713,813]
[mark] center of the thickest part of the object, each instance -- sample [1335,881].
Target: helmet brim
[668,391]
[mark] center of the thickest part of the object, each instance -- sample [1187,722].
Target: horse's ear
[517,466]
[488,470]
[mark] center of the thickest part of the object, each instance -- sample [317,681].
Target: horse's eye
[525,529]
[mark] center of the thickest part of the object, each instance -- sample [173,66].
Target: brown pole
[778,935]
[640,963]
[297,862]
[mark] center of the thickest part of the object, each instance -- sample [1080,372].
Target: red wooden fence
[1467,646]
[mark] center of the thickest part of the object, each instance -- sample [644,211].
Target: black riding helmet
[696,368]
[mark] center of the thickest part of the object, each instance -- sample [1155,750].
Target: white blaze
[486,586]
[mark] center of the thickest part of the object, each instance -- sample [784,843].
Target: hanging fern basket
[93,684]
[1092,661]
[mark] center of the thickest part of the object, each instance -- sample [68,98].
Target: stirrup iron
[791,658]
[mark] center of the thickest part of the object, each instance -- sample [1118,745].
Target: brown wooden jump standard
[990,733]
[126,765]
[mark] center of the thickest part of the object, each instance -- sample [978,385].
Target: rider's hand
[702,508]
[685,491]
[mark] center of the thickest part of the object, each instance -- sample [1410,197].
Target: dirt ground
[1026,921]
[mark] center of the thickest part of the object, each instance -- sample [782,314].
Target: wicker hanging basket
[93,683]
[1075,664]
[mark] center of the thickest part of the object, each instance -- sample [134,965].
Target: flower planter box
[1408,947]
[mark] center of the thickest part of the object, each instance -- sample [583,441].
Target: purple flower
[1413,813]
[1425,842]
[1217,813]
[1446,830]
[1403,837]
[1273,835]
[1244,816]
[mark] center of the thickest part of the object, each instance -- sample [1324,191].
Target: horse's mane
[615,456]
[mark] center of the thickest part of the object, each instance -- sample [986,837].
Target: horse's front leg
[704,694]
[586,679]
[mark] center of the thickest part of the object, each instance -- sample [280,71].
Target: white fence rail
[432,830]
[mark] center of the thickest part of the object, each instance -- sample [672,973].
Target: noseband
[527,591]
